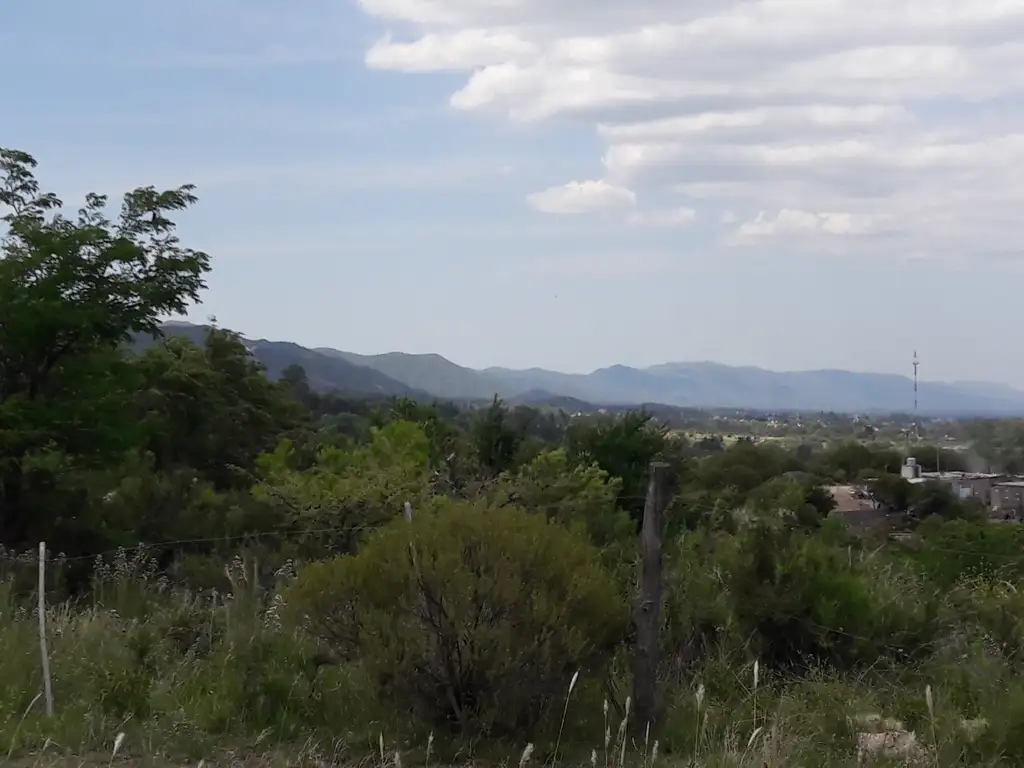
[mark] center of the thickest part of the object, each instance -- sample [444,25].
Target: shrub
[797,600]
[955,549]
[476,616]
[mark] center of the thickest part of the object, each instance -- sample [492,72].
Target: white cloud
[466,49]
[671,217]
[582,197]
[834,118]
[797,223]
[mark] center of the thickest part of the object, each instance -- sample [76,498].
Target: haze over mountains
[701,384]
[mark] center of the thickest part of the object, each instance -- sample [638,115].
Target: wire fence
[57,559]
[49,568]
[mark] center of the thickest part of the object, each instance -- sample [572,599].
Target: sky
[570,184]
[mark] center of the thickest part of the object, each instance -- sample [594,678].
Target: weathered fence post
[647,608]
[43,652]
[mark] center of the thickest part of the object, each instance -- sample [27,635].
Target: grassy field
[219,681]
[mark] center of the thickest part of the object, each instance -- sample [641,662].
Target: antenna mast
[917,431]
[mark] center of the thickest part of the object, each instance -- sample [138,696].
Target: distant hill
[541,398]
[693,385]
[430,373]
[324,372]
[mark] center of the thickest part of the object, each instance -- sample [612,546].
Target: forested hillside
[249,568]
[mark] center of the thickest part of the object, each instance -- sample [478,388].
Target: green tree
[937,499]
[893,492]
[72,291]
[210,408]
[347,494]
[624,447]
[496,438]
[851,460]
[931,458]
[745,466]
[573,495]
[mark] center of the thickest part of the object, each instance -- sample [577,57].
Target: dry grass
[219,682]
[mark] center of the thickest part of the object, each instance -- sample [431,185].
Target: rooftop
[851,498]
[961,475]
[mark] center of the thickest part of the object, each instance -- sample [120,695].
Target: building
[911,470]
[1008,500]
[856,506]
[1002,495]
[966,485]
[969,485]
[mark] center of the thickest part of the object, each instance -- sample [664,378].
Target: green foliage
[210,408]
[851,461]
[624,447]
[932,458]
[575,496]
[496,438]
[955,549]
[893,491]
[71,292]
[346,494]
[476,616]
[744,466]
[795,600]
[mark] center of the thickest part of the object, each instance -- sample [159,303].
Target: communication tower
[917,431]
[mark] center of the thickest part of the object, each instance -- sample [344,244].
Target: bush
[505,608]
[794,600]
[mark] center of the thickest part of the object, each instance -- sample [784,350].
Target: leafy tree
[440,432]
[935,498]
[931,458]
[744,466]
[347,494]
[210,408]
[576,496]
[893,492]
[496,438]
[624,447]
[806,505]
[851,460]
[72,291]
[296,383]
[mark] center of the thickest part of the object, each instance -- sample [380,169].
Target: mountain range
[697,385]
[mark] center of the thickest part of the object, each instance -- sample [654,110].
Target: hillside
[324,372]
[694,385]
[708,385]
[430,373]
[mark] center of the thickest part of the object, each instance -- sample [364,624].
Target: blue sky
[780,183]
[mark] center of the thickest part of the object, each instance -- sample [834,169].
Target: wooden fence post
[43,652]
[647,608]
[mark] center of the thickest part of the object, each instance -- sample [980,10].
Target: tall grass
[146,674]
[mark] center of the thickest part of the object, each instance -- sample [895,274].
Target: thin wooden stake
[47,684]
[647,609]
[408,512]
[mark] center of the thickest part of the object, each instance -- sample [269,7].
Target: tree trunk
[13,518]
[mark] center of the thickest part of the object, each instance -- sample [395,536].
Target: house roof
[851,498]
